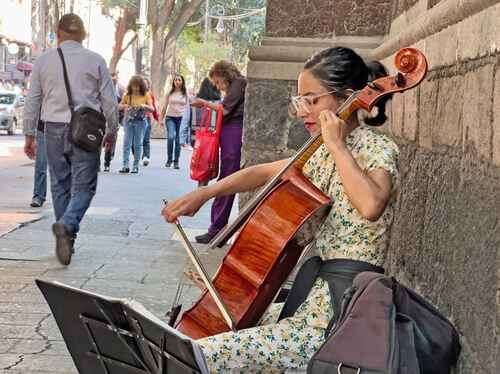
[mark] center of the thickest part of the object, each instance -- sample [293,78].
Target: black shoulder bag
[87,125]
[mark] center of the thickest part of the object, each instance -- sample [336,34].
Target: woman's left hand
[333,129]
[198,103]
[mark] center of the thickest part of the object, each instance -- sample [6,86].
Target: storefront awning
[24,66]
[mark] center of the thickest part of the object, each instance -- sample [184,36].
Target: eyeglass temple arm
[347,108]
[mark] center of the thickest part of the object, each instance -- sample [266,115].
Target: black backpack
[386,328]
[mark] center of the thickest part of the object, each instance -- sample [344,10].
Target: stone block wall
[445,237]
[326,18]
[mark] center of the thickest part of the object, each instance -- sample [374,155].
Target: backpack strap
[302,284]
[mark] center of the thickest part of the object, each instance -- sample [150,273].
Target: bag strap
[205,119]
[220,116]
[304,282]
[66,82]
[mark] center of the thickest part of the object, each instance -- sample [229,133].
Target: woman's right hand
[186,205]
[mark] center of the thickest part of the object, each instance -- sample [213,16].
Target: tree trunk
[122,26]
[163,45]
[160,73]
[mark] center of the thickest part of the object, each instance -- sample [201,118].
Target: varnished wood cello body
[267,248]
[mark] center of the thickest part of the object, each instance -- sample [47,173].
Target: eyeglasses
[305,102]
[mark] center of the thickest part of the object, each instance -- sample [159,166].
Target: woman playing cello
[357,168]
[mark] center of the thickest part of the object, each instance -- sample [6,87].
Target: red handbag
[205,157]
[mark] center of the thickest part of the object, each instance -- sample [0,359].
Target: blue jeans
[173,125]
[40,183]
[146,144]
[73,175]
[185,128]
[134,136]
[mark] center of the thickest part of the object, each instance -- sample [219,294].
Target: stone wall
[330,18]
[446,233]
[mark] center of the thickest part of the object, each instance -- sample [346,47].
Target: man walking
[40,180]
[109,150]
[73,171]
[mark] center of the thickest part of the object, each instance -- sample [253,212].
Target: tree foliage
[245,33]
[195,56]
[124,14]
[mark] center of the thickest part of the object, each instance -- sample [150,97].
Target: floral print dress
[274,346]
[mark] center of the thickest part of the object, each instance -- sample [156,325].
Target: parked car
[11,111]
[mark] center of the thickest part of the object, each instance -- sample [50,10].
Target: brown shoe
[65,241]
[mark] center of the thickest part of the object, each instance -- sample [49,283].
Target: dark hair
[340,69]
[224,70]
[208,91]
[137,80]
[183,87]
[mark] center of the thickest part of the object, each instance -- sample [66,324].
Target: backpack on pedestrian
[386,328]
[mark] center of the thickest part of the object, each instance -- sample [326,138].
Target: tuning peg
[374,86]
[400,80]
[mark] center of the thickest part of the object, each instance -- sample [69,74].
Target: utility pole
[141,23]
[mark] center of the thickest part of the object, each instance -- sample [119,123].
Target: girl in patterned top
[357,168]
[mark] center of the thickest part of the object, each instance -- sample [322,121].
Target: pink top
[176,104]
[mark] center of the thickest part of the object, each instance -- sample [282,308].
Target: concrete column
[294,31]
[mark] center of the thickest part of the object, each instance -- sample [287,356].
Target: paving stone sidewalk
[124,249]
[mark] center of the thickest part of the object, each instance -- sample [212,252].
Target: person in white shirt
[173,108]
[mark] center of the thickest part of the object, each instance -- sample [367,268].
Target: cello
[272,227]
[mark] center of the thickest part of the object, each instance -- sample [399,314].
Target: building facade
[15,41]
[445,237]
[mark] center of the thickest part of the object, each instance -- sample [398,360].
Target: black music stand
[118,336]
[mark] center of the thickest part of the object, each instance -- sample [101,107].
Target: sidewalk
[124,249]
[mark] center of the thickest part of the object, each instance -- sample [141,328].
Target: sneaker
[36,202]
[168,164]
[65,241]
[145,161]
[176,165]
[205,238]
[135,170]
[124,170]
[106,168]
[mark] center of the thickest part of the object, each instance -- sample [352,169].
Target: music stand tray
[118,336]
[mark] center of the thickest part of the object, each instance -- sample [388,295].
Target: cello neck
[298,160]
[343,112]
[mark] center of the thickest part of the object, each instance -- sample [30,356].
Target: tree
[195,56]
[166,19]
[244,33]
[124,14]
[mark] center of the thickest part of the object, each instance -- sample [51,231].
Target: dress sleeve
[382,153]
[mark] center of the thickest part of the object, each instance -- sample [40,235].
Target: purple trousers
[230,157]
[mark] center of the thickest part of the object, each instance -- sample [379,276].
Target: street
[124,249]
